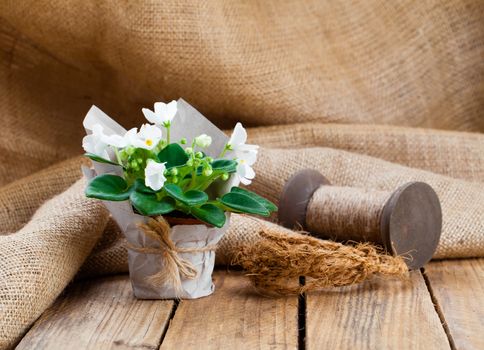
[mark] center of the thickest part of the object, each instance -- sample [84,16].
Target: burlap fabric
[38,261]
[373,94]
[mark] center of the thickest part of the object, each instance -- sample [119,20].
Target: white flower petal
[148,137]
[244,172]
[249,172]
[115,140]
[240,170]
[249,157]
[151,116]
[171,109]
[239,136]
[154,175]
[245,181]
[247,148]
[93,143]
[164,112]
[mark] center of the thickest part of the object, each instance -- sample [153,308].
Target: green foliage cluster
[188,174]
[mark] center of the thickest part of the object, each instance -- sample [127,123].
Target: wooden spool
[410,224]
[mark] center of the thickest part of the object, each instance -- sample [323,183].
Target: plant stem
[224,151]
[168,134]
[194,176]
[118,157]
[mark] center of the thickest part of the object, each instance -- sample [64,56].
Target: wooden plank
[458,288]
[234,317]
[99,314]
[375,315]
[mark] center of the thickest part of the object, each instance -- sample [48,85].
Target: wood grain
[375,315]
[234,318]
[458,288]
[100,314]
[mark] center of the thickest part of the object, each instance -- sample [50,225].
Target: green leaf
[266,203]
[96,158]
[147,204]
[139,186]
[190,198]
[243,203]
[210,214]
[173,155]
[108,187]
[224,165]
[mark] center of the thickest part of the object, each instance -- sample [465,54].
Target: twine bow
[175,267]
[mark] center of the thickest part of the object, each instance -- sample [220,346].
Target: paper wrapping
[142,265]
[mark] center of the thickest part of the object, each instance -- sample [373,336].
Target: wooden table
[441,307]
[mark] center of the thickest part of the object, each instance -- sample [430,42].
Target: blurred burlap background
[373,94]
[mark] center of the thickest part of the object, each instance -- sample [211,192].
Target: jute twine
[462,214]
[342,211]
[175,267]
[275,262]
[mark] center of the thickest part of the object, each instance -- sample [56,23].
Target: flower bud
[207,171]
[199,155]
[174,171]
[183,141]
[188,150]
[203,141]
[174,179]
[225,176]
[209,159]
[190,162]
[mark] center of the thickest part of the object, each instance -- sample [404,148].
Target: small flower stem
[118,157]
[226,148]
[194,178]
[168,134]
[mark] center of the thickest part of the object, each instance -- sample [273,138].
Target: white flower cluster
[149,136]
[246,155]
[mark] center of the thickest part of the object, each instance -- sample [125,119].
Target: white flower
[148,137]
[94,143]
[154,175]
[118,140]
[203,141]
[238,140]
[163,114]
[245,155]
[245,160]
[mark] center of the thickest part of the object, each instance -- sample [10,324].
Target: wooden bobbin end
[295,197]
[411,223]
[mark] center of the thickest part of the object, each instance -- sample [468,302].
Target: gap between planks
[458,290]
[234,317]
[438,309]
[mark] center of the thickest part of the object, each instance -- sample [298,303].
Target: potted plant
[171,186]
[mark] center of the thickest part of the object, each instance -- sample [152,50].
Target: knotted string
[175,268]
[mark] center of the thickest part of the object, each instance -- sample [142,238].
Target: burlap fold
[39,260]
